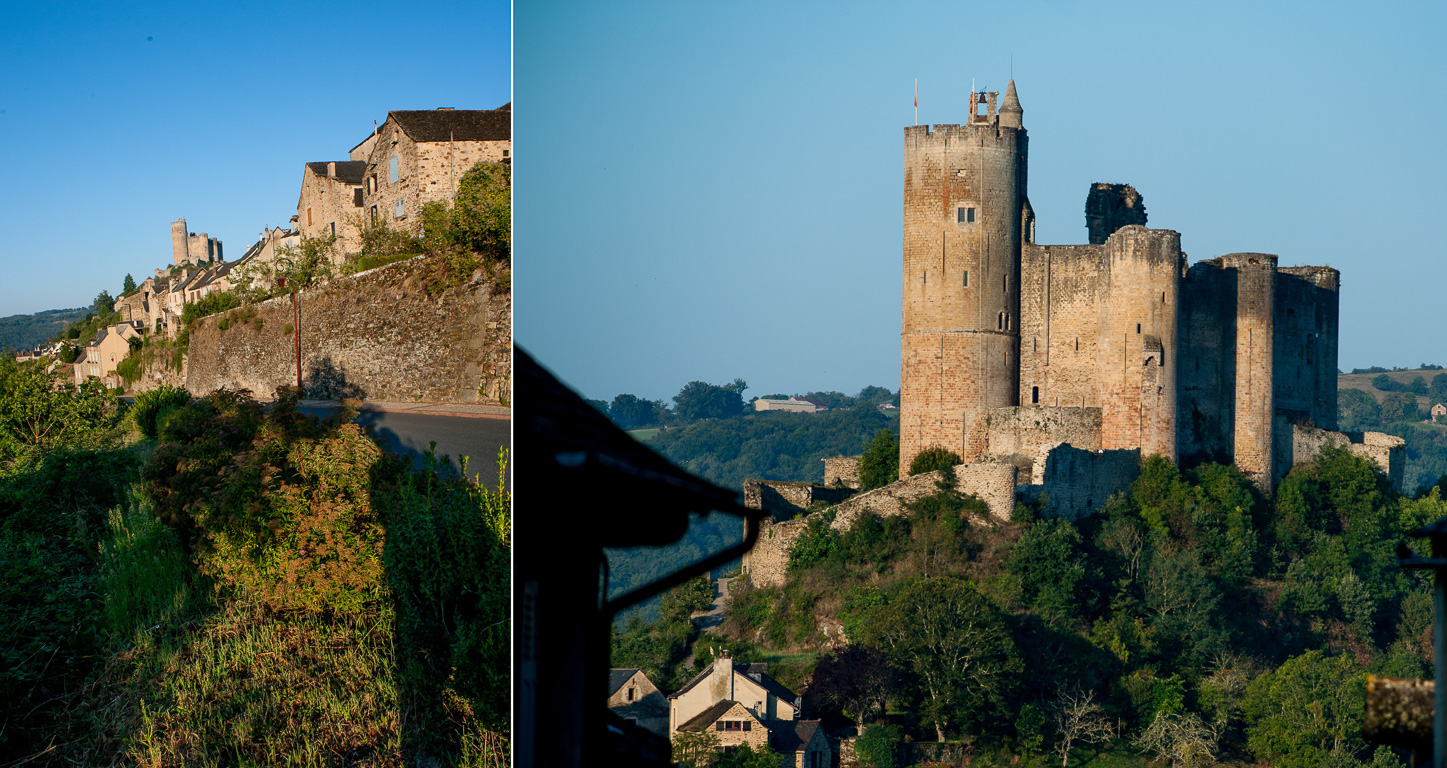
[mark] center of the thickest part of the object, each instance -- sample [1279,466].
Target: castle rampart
[842,470]
[1018,433]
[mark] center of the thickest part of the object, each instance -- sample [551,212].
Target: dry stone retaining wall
[378,335]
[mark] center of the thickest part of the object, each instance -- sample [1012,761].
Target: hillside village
[413,159]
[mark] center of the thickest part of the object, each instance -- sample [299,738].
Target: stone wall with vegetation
[396,333]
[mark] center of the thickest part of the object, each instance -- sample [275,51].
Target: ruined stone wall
[1387,452]
[1059,318]
[1137,343]
[1078,482]
[1017,434]
[767,563]
[785,500]
[964,193]
[1254,401]
[994,483]
[377,335]
[1207,370]
[1305,345]
[842,470]
[1109,207]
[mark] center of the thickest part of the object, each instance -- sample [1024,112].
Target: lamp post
[295,326]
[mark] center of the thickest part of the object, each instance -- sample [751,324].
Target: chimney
[445,109]
[331,170]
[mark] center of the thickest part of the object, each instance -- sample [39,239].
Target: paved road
[408,433]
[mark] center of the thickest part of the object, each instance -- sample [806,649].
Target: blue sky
[120,117]
[711,191]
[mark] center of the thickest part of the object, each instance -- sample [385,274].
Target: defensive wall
[1387,452]
[842,470]
[767,563]
[377,335]
[1076,482]
[786,500]
[1019,433]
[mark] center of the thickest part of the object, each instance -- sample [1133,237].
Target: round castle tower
[964,207]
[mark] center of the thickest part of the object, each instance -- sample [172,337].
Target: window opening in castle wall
[966,279]
[965,216]
[1034,394]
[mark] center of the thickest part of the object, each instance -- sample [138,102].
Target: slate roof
[704,719]
[792,736]
[349,171]
[455,124]
[755,671]
[617,677]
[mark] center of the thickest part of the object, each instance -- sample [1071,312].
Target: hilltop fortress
[1009,346]
[1052,370]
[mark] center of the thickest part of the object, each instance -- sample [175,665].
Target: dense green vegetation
[1193,619]
[769,445]
[25,331]
[253,586]
[1398,414]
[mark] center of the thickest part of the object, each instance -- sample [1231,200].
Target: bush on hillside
[152,404]
[933,458]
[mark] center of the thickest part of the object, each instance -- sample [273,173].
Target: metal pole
[1439,719]
[296,324]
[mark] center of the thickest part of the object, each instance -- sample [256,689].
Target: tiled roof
[455,124]
[617,677]
[704,719]
[793,736]
[350,171]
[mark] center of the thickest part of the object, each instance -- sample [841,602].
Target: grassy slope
[1363,381]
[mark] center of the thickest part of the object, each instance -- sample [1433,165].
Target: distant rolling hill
[20,331]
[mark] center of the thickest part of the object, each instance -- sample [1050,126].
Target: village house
[1439,412]
[792,405]
[744,705]
[419,156]
[633,697]
[331,203]
[100,356]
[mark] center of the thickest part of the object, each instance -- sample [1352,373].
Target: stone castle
[1009,346]
[1052,370]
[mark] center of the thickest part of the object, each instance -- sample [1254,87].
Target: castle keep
[1010,347]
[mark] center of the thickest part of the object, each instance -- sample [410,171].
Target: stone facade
[767,563]
[1214,362]
[331,203]
[377,335]
[1076,482]
[635,698]
[418,156]
[1018,433]
[786,500]
[1388,452]
[842,470]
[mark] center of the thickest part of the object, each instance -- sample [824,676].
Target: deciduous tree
[879,464]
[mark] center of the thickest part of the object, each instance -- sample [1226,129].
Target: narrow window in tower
[1034,394]
[1137,327]
[1163,297]
[966,279]
[1007,321]
[1000,322]
[1036,342]
[1004,283]
[960,216]
[1077,343]
[924,277]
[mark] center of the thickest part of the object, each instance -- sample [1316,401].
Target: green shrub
[151,403]
[933,458]
[223,324]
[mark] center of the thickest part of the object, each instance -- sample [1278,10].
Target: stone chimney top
[331,170]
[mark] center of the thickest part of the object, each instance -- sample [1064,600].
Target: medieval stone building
[1010,347]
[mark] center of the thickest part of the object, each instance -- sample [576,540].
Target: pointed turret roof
[1012,100]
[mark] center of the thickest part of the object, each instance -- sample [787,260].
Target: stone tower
[964,211]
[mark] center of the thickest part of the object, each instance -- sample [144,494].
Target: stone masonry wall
[767,563]
[1059,319]
[426,171]
[377,335]
[964,193]
[842,470]
[1020,433]
[1388,452]
[1078,482]
[786,500]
